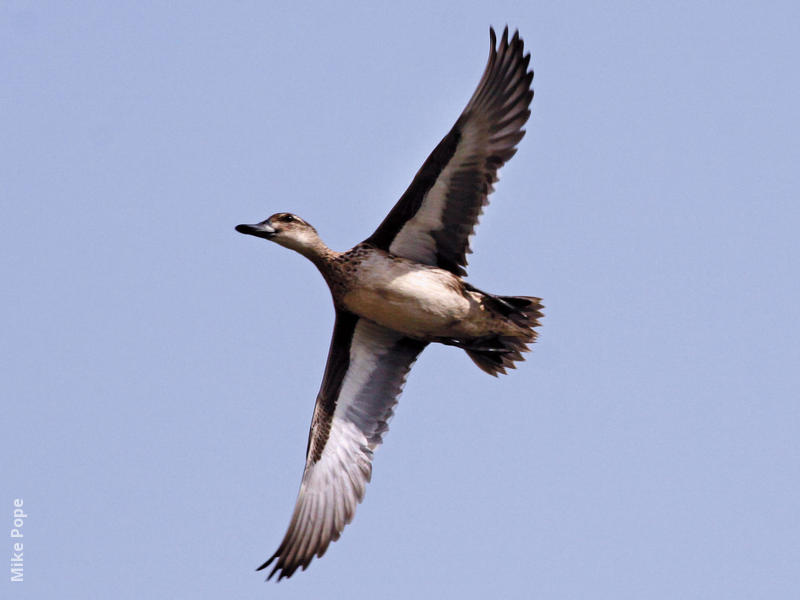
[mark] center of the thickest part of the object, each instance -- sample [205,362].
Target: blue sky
[159,370]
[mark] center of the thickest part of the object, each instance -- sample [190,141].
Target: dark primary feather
[434,219]
[367,367]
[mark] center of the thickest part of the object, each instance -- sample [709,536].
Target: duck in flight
[400,290]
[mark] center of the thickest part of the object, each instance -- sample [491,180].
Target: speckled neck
[325,259]
[338,268]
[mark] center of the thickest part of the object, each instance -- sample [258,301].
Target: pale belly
[421,302]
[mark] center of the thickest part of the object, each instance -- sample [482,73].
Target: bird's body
[421,301]
[424,302]
[399,290]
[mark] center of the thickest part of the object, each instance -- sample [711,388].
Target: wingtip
[268,563]
[515,40]
[275,569]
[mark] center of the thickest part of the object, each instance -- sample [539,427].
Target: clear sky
[159,370]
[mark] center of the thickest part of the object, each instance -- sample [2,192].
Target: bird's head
[287,230]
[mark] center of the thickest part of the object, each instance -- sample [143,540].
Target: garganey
[398,291]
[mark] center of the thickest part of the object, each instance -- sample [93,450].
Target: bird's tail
[494,354]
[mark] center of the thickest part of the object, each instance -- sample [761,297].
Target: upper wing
[433,220]
[366,370]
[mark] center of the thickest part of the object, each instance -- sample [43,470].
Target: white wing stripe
[415,239]
[335,483]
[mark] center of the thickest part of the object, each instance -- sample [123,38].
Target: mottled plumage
[400,290]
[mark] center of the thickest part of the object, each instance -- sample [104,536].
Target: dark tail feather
[497,353]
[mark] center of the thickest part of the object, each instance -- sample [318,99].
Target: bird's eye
[288,219]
